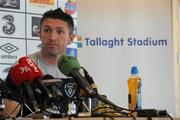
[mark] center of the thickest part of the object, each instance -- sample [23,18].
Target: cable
[120,109]
[169,116]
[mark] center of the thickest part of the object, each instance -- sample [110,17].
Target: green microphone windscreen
[67,63]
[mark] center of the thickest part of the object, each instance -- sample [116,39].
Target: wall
[19,25]
[176,43]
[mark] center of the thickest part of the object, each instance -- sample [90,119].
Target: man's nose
[54,35]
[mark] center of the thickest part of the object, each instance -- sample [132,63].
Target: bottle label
[134,95]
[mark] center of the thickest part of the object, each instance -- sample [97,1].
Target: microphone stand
[93,93]
[117,108]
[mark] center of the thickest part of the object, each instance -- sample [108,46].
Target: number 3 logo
[9,27]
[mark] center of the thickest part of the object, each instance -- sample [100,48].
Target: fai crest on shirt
[69,89]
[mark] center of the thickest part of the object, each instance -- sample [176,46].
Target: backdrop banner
[118,34]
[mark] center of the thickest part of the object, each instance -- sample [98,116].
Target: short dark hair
[59,14]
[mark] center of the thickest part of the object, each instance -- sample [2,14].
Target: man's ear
[71,38]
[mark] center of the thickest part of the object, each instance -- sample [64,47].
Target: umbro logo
[6,70]
[13,4]
[9,48]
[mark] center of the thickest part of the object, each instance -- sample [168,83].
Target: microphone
[69,66]
[21,75]
[26,60]
[37,74]
[89,79]
[53,88]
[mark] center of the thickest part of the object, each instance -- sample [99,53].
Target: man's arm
[12,108]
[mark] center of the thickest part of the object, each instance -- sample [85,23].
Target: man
[56,32]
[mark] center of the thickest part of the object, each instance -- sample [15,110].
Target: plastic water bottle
[134,90]
[72,109]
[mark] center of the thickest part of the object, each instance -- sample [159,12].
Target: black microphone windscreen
[50,80]
[47,76]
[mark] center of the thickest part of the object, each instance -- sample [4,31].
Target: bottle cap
[134,70]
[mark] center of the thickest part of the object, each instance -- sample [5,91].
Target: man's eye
[47,30]
[60,32]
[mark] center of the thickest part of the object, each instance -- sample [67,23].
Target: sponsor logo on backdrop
[6,70]
[35,26]
[72,52]
[8,27]
[9,49]
[42,2]
[70,7]
[79,41]
[39,46]
[119,41]
[12,4]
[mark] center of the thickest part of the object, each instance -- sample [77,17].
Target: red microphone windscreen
[37,73]
[21,73]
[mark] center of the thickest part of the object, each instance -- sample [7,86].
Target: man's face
[54,34]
